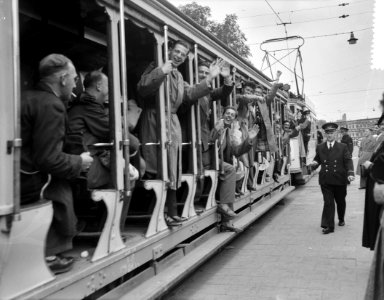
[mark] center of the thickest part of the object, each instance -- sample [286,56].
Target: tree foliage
[227,31]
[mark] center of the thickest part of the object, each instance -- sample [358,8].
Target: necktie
[330,146]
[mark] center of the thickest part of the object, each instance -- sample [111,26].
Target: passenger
[288,133]
[320,137]
[88,124]
[346,139]
[366,150]
[43,119]
[227,178]
[180,91]
[266,140]
[371,208]
[304,125]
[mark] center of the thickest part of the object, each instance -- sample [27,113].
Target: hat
[344,128]
[330,127]
[306,112]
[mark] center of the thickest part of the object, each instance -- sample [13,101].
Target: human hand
[219,126]
[286,87]
[278,74]
[86,161]
[367,164]
[214,69]
[313,164]
[225,69]
[252,133]
[378,193]
[167,67]
[351,178]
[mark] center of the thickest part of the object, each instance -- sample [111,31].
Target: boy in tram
[223,131]
[43,126]
[180,91]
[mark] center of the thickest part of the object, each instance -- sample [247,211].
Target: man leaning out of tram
[222,93]
[88,123]
[223,132]
[179,91]
[43,119]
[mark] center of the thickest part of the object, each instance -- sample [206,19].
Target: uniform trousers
[332,194]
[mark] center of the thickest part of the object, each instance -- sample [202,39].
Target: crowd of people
[66,115]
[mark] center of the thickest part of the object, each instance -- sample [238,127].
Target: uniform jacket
[336,164]
[243,113]
[180,91]
[43,126]
[346,139]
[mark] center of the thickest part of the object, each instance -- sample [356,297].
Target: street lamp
[352,40]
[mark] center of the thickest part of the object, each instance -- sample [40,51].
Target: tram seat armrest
[150,81]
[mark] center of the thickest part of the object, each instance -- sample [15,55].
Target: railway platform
[284,255]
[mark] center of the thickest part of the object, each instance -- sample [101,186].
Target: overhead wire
[303,9]
[346,92]
[324,35]
[310,21]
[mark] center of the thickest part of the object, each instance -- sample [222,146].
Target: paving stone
[284,256]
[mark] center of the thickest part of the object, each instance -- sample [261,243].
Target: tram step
[160,284]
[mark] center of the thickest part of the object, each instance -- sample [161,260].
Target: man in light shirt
[336,170]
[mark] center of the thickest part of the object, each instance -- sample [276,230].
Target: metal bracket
[16,143]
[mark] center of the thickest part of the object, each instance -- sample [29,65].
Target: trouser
[63,227]
[332,194]
[227,184]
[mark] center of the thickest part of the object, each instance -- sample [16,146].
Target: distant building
[344,117]
[357,127]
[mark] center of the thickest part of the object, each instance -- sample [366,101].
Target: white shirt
[330,144]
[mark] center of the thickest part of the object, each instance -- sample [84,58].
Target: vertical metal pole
[124,94]
[198,116]
[16,109]
[234,103]
[167,95]
[221,115]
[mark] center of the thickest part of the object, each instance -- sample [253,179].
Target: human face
[367,132]
[299,115]
[286,126]
[178,55]
[104,89]
[248,90]
[229,116]
[68,82]
[331,135]
[259,92]
[203,72]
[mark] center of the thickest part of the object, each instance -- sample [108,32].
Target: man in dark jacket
[43,126]
[336,171]
[227,178]
[88,123]
[346,139]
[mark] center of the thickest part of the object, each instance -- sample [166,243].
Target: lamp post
[352,40]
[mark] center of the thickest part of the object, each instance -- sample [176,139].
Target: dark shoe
[341,223]
[328,230]
[225,227]
[251,188]
[174,221]
[276,178]
[226,211]
[59,264]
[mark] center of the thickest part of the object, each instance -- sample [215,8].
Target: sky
[339,77]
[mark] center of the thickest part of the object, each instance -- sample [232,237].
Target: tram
[129,250]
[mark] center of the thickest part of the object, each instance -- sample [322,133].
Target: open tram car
[131,250]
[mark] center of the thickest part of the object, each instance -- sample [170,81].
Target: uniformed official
[346,139]
[336,170]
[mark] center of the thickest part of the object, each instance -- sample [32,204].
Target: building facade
[357,127]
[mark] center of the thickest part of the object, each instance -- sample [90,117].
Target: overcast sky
[338,76]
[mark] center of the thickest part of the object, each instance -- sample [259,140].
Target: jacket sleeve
[348,163]
[377,169]
[272,93]
[150,81]
[192,93]
[48,136]
[222,93]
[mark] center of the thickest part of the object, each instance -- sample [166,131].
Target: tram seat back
[23,250]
